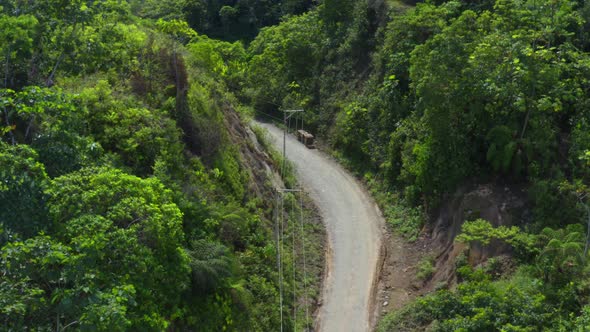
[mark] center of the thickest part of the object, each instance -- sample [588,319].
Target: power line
[285,118]
[288,127]
[303,252]
[278,237]
[280,225]
[270,115]
[282,218]
[293,233]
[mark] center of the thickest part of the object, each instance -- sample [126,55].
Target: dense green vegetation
[451,92]
[548,291]
[224,19]
[430,97]
[126,205]
[124,202]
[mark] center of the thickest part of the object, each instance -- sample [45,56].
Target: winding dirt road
[353,224]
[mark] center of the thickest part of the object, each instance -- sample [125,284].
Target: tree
[122,125]
[284,57]
[48,120]
[22,200]
[129,231]
[158,9]
[37,269]
[47,285]
[481,232]
[336,13]
[16,47]
[562,258]
[59,26]
[227,15]
[224,59]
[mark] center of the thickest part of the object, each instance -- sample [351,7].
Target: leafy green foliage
[562,258]
[16,39]
[583,321]
[122,126]
[72,37]
[502,149]
[227,20]
[23,180]
[425,268]
[49,121]
[125,207]
[226,60]
[283,55]
[351,133]
[137,215]
[34,267]
[210,265]
[476,306]
[177,29]
[403,218]
[482,232]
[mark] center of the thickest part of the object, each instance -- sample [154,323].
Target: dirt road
[353,225]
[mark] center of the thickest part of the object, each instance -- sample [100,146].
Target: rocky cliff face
[500,205]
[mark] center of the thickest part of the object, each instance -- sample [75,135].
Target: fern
[210,263]
[562,255]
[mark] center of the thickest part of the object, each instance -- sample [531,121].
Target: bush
[425,268]
[407,221]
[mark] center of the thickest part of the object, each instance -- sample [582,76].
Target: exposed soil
[398,284]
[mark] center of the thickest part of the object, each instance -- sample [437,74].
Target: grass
[277,159]
[407,221]
[425,268]
[402,218]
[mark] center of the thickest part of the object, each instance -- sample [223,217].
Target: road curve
[353,224]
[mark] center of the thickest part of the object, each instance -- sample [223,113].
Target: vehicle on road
[306,138]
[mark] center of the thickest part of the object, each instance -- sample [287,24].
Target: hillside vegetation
[126,202]
[427,98]
[128,198]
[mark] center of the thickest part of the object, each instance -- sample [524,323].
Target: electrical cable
[293,233]
[305,299]
[280,248]
[293,258]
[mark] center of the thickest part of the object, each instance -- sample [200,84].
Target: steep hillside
[442,97]
[132,196]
